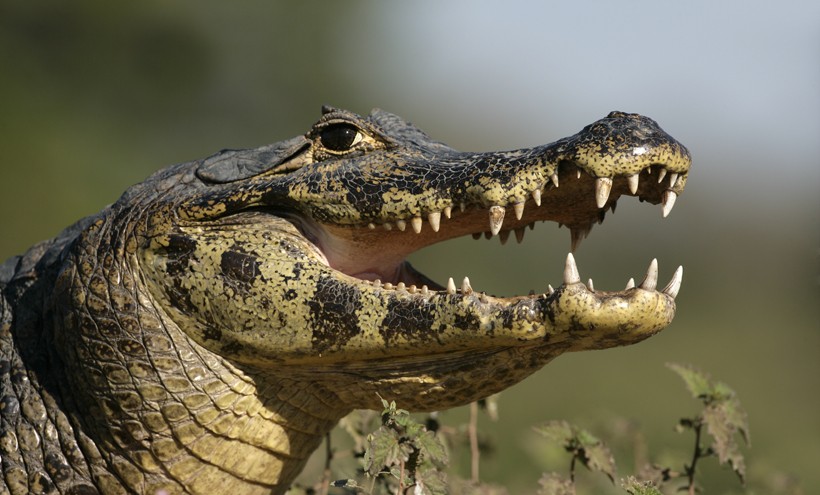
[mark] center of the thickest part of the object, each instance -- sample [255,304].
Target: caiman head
[291,257]
[211,326]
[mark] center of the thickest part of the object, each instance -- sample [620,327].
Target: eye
[340,137]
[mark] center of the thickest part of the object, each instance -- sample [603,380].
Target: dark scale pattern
[191,338]
[333,314]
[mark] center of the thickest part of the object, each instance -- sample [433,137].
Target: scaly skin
[207,330]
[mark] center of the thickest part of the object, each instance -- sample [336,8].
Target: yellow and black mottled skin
[203,333]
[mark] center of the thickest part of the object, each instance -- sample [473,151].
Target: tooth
[503,236]
[435,220]
[669,198]
[448,210]
[488,235]
[477,235]
[602,188]
[424,290]
[377,283]
[630,284]
[550,290]
[401,224]
[673,177]
[465,286]
[601,216]
[462,206]
[577,235]
[536,196]
[388,285]
[451,286]
[613,205]
[554,179]
[519,234]
[387,226]
[578,174]
[371,226]
[412,289]
[651,279]
[590,286]
[571,275]
[674,284]
[519,210]
[633,183]
[416,223]
[496,218]
[400,286]
[531,225]
[661,174]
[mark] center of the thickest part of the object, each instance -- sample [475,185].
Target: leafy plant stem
[690,469]
[472,428]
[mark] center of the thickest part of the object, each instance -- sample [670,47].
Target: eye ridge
[340,137]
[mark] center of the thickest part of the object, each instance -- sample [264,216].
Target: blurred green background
[96,95]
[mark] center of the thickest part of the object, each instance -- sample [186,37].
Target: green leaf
[583,445]
[559,432]
[431,448]
[555,484]
[431,482]
[383,449]
[597,457]
[635,487]
[722,428]
[697,382]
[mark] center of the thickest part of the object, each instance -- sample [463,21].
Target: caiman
[203,333]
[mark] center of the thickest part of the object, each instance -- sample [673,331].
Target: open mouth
[375,252]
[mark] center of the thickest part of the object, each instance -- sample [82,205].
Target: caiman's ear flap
[233,165]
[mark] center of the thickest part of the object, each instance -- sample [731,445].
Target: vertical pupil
[339,137]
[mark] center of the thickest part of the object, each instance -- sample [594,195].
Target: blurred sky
[95,96]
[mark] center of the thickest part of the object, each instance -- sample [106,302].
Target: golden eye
[340,137]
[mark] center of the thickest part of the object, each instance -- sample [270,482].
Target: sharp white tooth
[571,275]
[503,236]
[673,178]
[451,286]
[476,235]
[554,179]
[550,290]
[424,290]
[416,223]
[496,218]
[536,196]
[590,286]
[465,286]
[519,234]
[448,211]
[661,174]
[519,210]
[630,284]
[650,281]
[578,174]
[674,285]
[387,226]
[602,187]
[633,181]
[577,235]
[669,198]
[371,226]
[435,220]
[401,224]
